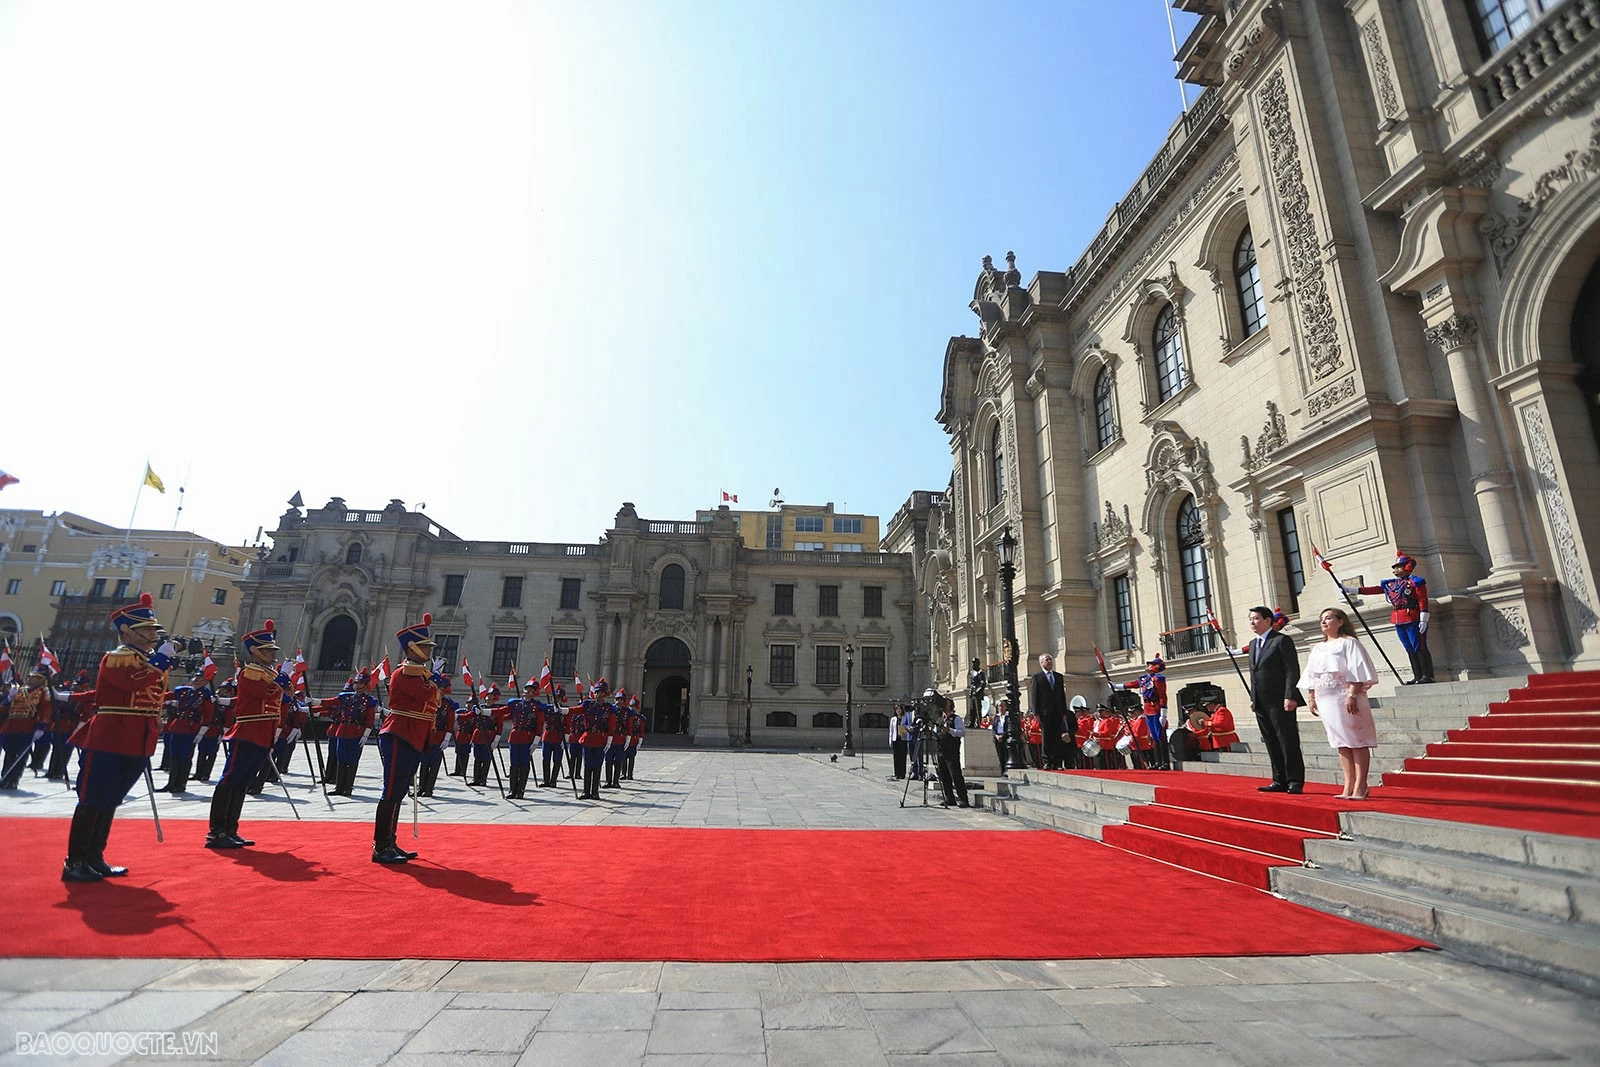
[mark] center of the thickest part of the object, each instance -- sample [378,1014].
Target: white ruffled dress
[1331,669]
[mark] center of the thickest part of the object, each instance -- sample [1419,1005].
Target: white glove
[1350,590]
[1422,623]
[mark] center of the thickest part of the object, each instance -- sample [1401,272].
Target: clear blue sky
[524,262]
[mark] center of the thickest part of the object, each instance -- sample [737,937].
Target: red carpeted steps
[1542,741]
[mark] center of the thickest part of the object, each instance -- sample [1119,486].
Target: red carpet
[491,892]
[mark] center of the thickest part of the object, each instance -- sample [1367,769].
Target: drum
[1124,743]
[1198,720]
[1091,748]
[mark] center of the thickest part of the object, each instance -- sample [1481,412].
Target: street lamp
[749,681]
[1006,545]
[849,698]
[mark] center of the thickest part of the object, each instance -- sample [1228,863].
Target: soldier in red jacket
[67,715]
[526,716]
[190,709]
[350,716]
[257,709]
[413,715]
[463,735]
[553,741]
[599,720]
[25,709]
[487,722]
[119,736]
[444,725]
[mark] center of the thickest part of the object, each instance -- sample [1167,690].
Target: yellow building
[804,528]
[61,574]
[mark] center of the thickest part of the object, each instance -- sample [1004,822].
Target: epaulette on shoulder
[414,670]
[121,657]
[257,671]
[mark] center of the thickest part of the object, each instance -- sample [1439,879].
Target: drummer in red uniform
[413,715]
[1218,729]
[262,691]
[119,736]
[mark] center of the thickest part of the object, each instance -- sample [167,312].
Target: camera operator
[948,731]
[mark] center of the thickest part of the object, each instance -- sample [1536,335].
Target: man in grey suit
[1275,696]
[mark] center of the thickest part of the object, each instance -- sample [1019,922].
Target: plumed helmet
[1405,562]
[1156,663]
[1279,619]
[141,612]
[266,638]
[418,633]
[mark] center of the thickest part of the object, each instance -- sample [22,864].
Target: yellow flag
[152,481]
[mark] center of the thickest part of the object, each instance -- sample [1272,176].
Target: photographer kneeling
[949,730]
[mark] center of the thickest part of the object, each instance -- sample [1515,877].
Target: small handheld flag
[208,668]
[544,675]
[1316,556]
[48,658]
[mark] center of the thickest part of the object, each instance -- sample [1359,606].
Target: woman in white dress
[1335,680]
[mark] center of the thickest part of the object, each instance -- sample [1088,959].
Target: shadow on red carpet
[490,892]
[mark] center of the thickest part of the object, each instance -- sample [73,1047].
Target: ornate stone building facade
[1352,301]
[678,612]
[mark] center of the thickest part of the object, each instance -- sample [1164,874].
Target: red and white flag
[384,670]
[511,680]
[466,675]
[48,658]
[577,686]
[1102,661]
[1316,557]
[727,497]
[545,680]
[5,658]
[208,668]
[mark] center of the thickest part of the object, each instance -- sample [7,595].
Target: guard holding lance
[414,694]
[263,689]
[444,725]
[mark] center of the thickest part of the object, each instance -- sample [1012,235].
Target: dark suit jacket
[1274,673]
[1050,704]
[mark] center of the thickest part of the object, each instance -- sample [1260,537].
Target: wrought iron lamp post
[1006,546]
[749,682]
[849,698]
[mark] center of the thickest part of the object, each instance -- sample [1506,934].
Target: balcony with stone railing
[1560,31]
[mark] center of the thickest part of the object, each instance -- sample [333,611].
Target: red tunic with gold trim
[257,707]
[29,708]
[126,716]
[413,702]
[487,723]
[1105,732]
[597,722]
[1141,734]
[527,721]
[1219,732]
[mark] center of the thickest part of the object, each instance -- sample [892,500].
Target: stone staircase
[1409,719]
[1071,804]
[1529,902]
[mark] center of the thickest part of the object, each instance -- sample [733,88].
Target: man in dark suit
[1048,698]
[1275,696]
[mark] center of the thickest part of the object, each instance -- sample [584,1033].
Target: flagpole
[178,514]
[127,535]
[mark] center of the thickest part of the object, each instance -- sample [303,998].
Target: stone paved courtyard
[1415,1009]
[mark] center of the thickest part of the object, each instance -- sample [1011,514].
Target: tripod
[925,758]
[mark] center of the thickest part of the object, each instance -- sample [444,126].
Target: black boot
[383,846]
[1416,669]
[76,867]
[632,752]
[330,770]
[344,778]
[97,858]
[480,772]
[180,778]
[221,810]
[1425,660]
[394,834]
[234,812]
[425,781]
[461,762]
[58,763]
[519,780]
[203,765]
[282,762]
[166,755]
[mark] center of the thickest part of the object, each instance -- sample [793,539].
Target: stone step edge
[1319,888]
[1069,800]
[1047,817]
[1390,828]
[1296,860]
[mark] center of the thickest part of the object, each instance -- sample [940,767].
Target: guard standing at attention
[25,709]
[119,737]
[191,709]
[257,710]
[66,715]
[210,738]
[636,726]
[444,725]
[413,715]
[527,723]
[597,723]
[350,716]
[486,723]
[617,744]
[1407,594]
[551,741]
[1152,689]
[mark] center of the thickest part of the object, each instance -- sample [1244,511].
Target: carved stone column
[1490,470]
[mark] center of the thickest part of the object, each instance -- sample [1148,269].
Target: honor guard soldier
[1152,689]
[526,715]
[350,716]
[636,726]
[210,738]
[25,705]
[66,715]
[574,717]
[617,744]
[463,735]
[190,709]
[596,727]
[263,689]
[1407,594]
[486,724]
[552,739]
[444,725]
[295,718]
[414,701]
[1217,730]
[43,736]
[119,737]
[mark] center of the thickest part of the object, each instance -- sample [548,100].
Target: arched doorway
[338,649]
[1586,345]
[666,680]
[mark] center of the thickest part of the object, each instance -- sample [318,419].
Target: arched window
[1192,563]
[997,468]
[352,555]
[1105,428]
[1247,282]
[338,644]
[672,587]
[1169,355]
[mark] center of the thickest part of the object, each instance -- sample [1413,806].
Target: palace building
[718,640]
[1353,302]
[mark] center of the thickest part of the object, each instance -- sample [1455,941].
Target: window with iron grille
[827,664]
[783,599]
[1192,563]
[672,587]
[1247,281]
[997,468]
[1499,22]
[872,601]
[1170,377]
[564,658]
[448,648]
[874,665]
[511,593]
[827,600]
[570,590]
[781,718]
[781,670]
[1105,423]
[454,585]
[505,657]
[1289,537]
[1122,590]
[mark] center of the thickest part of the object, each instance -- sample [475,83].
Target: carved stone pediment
[1273,437]
[1113,529]
[665,623]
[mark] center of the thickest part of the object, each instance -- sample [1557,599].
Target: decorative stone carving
[1268,25]
[1458,331]
[1388,100]
[1331,397]
[1566,543]
[1111,529]
[1273,437]
[1503,233]
[1323,353]
[1038,381]
[1510,627]
[118,557]
[1014,489]
[1175,459]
